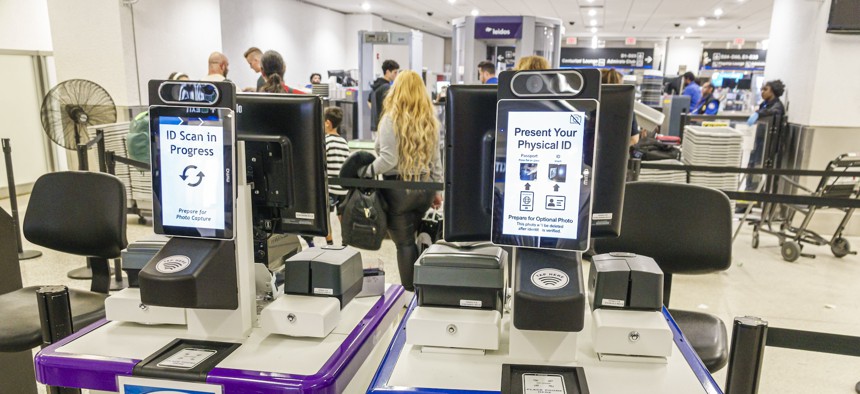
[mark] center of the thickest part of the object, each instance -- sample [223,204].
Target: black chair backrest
[686,229]
[78,212]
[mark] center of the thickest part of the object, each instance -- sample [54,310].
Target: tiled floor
[820,294]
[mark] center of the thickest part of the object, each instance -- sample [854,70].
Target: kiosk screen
[193,181]
[544,198]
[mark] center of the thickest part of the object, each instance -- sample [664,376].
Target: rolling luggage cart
[792,238]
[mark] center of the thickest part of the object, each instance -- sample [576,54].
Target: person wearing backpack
[407,149]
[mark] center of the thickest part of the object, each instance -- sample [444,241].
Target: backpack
[651,149]
[364,219]
[138,138]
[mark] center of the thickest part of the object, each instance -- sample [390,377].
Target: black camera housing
[550,84]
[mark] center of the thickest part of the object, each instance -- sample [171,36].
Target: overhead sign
[734,59]
[607,57]
[570,41]
[630,41]
[499,27]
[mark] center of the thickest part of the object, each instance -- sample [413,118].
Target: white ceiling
[748,19]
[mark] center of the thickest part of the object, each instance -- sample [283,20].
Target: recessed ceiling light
[365,6]
[682,37]
[474,12]
[593,22]
[718,12]
[452,1]
[591,1]
[701,22]
[592,12]
[594,30]
[688,30]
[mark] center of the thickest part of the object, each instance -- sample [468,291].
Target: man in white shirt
[218,67]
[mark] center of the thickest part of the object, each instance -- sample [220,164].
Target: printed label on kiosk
[192,169]
[546,188]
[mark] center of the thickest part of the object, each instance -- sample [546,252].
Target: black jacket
[773,107]
[379,88]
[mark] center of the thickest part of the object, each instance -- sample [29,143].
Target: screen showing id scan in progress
[191,169]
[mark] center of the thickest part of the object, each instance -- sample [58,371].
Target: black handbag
[364,219]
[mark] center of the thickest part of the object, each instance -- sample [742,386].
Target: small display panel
[544,198]
[193,180]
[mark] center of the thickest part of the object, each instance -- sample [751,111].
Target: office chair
[686,229]
[75,212]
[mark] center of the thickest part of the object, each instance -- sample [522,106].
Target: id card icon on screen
[555,202]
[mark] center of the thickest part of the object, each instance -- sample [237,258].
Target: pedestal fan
[67,111]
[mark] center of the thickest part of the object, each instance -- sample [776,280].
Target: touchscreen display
[543,196]
[192,173]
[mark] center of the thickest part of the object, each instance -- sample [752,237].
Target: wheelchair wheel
[840,247]
[755,240]
[790,251]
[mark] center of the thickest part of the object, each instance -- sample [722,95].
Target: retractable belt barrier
[768,197]
[738,170]
[375,184]
[112,158]
[810,341]
[750,336]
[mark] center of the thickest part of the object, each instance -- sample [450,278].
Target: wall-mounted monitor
[844,17]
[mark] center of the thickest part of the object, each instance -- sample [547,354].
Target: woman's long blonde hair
[415,125]
[532,63]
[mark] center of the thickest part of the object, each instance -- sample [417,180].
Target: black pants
[405,210]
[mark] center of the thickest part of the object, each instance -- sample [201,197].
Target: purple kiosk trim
[100,373]
[379,384]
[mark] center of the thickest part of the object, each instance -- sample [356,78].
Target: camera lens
[534,84]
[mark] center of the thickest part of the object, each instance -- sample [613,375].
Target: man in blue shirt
[487,72]
[708,104]
[691,89]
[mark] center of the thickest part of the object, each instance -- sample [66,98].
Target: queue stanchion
[749,337]
[13,202]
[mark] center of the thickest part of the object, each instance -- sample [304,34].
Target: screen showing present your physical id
[544,169]
[192,164]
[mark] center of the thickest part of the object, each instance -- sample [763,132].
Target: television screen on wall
[844,17]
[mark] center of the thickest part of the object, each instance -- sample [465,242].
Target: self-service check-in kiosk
[203,276]
[195,321]
[550,178]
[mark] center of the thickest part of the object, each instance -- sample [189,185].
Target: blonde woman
[407,147]
[532,63]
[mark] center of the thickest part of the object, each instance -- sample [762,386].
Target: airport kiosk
[548,182]
[206,318]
